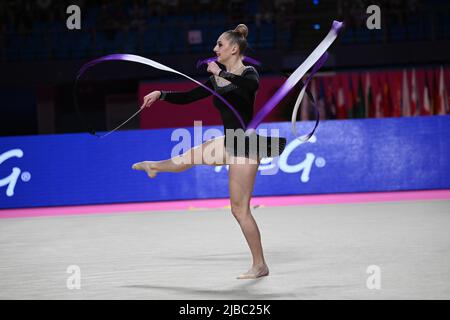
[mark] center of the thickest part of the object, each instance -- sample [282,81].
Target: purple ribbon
[282,92]
[268,106]
[145,61]
[292,80]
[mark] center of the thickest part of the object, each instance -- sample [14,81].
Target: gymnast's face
[224,49]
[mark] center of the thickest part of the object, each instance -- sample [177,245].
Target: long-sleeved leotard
[240,93]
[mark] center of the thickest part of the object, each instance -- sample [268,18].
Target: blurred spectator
[236,9]
[113,17]
[283,5]
[396,12]
[286,8]
[170,6]
[266,14]
[412,5]
[156,8]
[21,16]
[137,16]
[204,3]
[218,7]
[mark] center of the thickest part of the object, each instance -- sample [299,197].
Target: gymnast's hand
[150,98]
[214,68]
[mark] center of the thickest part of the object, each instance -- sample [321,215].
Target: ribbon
[315,60]
[316,67]
[151,63]
[304,90]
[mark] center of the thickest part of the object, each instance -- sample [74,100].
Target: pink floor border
[186,205]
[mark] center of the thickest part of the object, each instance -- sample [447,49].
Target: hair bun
[242,30]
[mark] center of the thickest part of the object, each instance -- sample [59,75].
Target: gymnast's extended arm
[185,97]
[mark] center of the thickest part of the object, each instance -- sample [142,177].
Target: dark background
[40,57]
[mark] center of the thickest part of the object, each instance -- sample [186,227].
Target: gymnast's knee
[182,162]
[240,209]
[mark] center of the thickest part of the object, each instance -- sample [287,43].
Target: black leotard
[240,93]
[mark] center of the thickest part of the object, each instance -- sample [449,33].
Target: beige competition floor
[313,252]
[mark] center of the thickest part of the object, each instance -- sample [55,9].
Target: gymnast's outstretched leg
[211,152]
[241,182]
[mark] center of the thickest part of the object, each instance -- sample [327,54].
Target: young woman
[238,85]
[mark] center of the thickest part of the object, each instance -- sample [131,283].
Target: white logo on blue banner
[270,166]
[11,180]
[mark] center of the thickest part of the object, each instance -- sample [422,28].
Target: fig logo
[306,165]
[11,180]
[271,166]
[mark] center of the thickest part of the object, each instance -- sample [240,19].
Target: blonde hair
[239,36]
[242,30]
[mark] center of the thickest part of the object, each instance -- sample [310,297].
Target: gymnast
[238,84]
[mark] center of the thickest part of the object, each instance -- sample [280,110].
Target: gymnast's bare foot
[255,272]
[147,166]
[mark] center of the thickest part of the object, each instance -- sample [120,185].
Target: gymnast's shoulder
[250,70]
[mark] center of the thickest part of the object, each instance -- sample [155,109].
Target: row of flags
[378,94]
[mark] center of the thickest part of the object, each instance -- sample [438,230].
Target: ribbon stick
[317,58]
[154,64]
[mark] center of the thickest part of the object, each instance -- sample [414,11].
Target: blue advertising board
[366,155]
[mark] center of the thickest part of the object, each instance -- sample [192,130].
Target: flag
[426,109]
[368,97]
[341,111]
[447,87]
[330,105]
[350,95]
[442,99]
[396,93]
[360,108]
[379,97]
[321,100]
[406,107]
[433,90]
[386,102]
[414,96]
